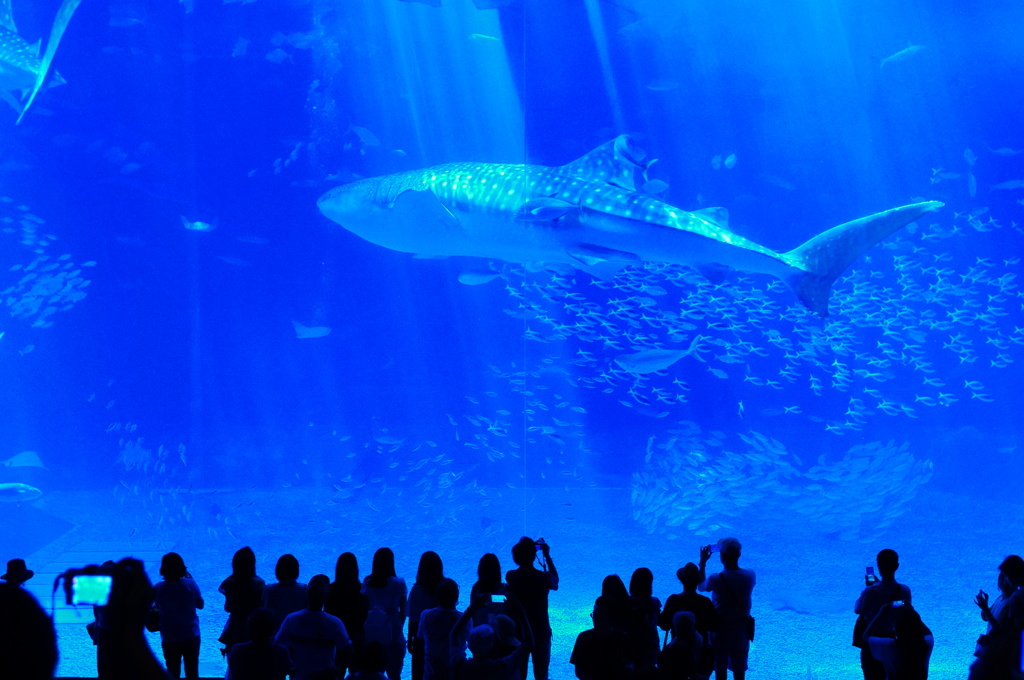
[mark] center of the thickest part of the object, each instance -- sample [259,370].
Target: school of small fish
[908,314]
[652,340]
[46,285]
[701,483]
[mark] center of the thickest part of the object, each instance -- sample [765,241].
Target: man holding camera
[876,595]
[530,586]
[730,591]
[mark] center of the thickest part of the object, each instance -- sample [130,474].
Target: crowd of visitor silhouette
[364,629]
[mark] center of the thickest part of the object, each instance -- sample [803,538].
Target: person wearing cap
[505,640]
[705,616]
[17,573]
[730,591]
[682,658]
[481,643]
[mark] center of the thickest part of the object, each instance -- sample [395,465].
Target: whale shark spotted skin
[587,214]
[21,67]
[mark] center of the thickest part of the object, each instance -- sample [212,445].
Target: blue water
[163,257]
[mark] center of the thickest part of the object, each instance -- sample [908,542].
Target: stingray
[25,459]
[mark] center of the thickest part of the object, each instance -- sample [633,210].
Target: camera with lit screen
[89,585]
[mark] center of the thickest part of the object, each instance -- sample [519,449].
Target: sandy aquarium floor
[803,600]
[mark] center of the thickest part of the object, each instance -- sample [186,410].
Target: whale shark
[21,67]
[588,214]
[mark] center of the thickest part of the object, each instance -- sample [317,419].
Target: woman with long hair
[177,598]
[386,596]
[346,600]
[421,598]
[488,577]
[646,608]
[243,594]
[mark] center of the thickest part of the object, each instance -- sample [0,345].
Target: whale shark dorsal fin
[7,16]
[719,216]
[614,162]
[35,46]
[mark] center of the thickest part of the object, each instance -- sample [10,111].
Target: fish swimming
[587,214]
[16,492]
[24,459]
[905,53]
[304,332]
[21,68]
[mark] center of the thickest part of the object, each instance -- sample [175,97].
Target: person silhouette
[177,598]
[605,651]
[287,595]
[705,616]
[17,572]
[347,601]
[386,596]
[530,587]
[243,594]
[481,641]
[369,663]
[28,642]
[422,596]
[905,649]
[434,631]
[489,586]
[870,602]
[646,610]
[730,591]
[1000,655]
[682,658]
[261,658]
[317,641]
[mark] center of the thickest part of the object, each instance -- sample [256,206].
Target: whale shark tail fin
[822,259]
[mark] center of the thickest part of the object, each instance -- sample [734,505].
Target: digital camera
[89,585]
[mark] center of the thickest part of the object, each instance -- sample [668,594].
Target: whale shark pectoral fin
[12,100]
[715,273]
[615,162]
[425,209]
[719,216]
[822,259]
[544,209]
[600,262]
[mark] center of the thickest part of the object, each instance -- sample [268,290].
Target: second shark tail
[825,257]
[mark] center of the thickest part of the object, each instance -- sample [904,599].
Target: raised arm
[459,635]
[552,572]
[705,555]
